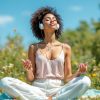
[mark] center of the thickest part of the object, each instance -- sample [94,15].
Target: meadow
[85,49]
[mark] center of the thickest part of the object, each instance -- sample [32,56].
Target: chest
[51,53]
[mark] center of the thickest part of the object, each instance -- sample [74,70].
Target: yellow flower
[22,78]
[93,74]
[24,54]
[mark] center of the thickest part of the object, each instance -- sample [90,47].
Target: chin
[53,27]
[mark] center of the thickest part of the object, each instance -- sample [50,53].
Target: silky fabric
[41,89]
[46,68]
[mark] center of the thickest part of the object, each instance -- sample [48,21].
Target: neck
[50,38]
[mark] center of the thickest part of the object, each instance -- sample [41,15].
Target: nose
[52,21]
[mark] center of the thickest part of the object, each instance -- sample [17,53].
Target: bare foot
[50,98]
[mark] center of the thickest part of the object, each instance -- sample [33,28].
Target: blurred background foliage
[85,44]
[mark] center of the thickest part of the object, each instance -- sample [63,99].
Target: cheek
[55,22]
[46,24]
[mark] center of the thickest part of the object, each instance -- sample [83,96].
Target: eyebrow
[50,17]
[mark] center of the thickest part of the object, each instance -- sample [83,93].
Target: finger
[85,64]
[22,60]
[28,65]
[81,64]
[84,68]
[25,64]
[28,61]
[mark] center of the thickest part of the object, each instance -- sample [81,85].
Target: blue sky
[16,14]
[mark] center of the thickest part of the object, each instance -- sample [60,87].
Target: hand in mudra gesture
[27,65]
[82,68]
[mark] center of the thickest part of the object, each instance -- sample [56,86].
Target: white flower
[11,65]
[5,67]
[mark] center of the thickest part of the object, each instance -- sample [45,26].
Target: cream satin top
[49,69]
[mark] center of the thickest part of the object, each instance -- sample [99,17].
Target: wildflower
[2,72]
[93,74]
[94,68]
[24,54]
[11,65]
[4,67]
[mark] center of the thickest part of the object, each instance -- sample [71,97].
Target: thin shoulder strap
[36,47]
[62,46]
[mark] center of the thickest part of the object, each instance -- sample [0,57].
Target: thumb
[23,60]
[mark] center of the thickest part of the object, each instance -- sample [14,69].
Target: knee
[86,81]
[5,81]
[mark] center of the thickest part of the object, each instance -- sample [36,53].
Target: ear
[41,26]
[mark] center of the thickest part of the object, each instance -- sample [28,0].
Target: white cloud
[76,8]
[5,20]
[26,13]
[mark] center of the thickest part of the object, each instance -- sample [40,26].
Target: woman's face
[50,21]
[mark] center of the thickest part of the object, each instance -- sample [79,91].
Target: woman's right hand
[27,65]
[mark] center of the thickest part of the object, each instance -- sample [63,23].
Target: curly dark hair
[37,18]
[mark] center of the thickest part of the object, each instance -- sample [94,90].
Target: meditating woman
[48,65]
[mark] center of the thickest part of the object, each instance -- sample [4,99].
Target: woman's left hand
[82,68]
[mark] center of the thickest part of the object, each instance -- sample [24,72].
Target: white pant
[41,89]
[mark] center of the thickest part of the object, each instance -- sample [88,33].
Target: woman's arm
[67,66]
[31,58]
[29,64]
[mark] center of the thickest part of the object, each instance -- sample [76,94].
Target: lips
[52,24]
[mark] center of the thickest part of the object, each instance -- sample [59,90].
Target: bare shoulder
[67,48]
[33,47]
